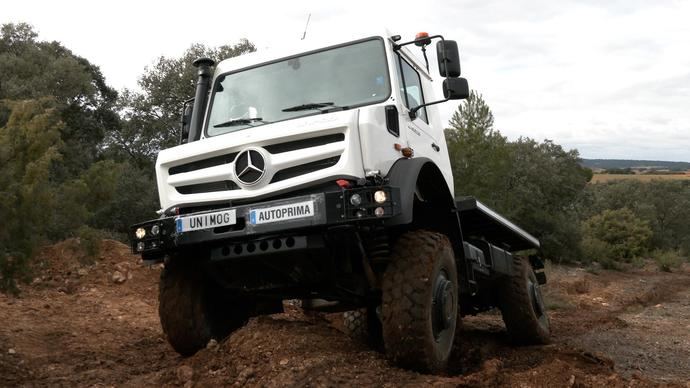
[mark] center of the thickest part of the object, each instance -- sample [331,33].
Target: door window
[411,88]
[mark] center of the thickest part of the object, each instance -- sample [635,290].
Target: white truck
[321,173]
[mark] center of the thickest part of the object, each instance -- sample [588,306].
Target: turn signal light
[343,183]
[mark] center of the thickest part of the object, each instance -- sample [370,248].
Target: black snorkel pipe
[201,97]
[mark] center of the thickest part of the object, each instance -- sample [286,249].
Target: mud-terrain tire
[420,302]
[364,325]
[192,311]
[522,306]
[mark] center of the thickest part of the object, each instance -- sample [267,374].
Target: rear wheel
[420,301]
[522,306]
[192,310]
[364,325]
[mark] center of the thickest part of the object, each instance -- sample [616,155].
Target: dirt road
[96,324]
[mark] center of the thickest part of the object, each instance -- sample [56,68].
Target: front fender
[417,175]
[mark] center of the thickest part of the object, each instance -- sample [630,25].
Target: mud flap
[538,266]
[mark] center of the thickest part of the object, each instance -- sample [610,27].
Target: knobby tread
[364,326]
[407,300]
[191,313]
[522,323]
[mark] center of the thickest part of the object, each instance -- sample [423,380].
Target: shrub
[615,236]
[12,267]
[90,244]
[667,260]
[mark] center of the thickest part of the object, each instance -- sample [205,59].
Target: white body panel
[367,145]
[349,164]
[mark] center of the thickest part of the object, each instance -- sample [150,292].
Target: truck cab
[320,172]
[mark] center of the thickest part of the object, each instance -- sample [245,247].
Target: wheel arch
[423,186]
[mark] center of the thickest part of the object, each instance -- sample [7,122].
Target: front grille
[329,146]
[207,187]
[273,149]
[306,168]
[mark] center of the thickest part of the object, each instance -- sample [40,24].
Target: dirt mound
[68,267]
[92,321]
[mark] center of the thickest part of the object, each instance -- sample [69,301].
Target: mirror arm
[398,46]
[413,111]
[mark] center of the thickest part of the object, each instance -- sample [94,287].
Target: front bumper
[331,208]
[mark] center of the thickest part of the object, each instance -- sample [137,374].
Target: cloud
[610,78]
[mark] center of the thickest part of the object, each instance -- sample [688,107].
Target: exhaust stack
[200,98]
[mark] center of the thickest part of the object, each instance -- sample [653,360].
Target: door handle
[435,147]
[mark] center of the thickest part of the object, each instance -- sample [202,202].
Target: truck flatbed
[478,220]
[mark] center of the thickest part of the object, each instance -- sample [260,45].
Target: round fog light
[359,213]
[140,247]
[155,229]
[379,212]
[356,200]
[140,233]
[380,196]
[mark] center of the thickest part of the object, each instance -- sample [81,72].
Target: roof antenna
[305,27]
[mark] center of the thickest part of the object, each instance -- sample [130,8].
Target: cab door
[421,136]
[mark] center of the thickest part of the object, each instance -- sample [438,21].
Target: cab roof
[304,46]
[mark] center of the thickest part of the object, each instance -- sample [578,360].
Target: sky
[610,78]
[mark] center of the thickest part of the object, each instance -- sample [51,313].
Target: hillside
[95,323]
[608,164]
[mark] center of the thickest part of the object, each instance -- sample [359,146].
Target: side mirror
[448,64]
[186,120]
[456,88]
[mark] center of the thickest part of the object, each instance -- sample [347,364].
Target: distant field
[640,177]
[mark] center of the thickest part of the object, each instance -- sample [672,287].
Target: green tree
[535,184]
[663,204]
[152,116]
[29,145]
[31,69]
[478,152]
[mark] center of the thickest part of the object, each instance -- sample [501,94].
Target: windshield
[335,79]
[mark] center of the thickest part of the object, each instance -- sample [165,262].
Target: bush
[90,244]
[595,250]
[667,260]
[12,268]
[614,236]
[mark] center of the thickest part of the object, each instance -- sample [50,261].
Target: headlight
[380,196]
[356,200]
[140,233]
[155,229]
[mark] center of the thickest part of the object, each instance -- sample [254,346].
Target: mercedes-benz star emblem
[249,167]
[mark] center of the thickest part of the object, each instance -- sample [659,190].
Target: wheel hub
[443,304]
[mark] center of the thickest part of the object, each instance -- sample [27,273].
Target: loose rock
[185,373]
[119,277]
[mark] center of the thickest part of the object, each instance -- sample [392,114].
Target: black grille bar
[207,187]
[302,169]
[304,143]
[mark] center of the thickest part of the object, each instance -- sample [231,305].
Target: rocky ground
[85,322]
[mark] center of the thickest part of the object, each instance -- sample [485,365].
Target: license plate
[206,221]
[281,213]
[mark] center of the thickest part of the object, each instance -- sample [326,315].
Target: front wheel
[192,310]
[522,306]
[420,301]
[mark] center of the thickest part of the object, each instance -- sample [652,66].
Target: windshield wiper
[233,122]
[309,106]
